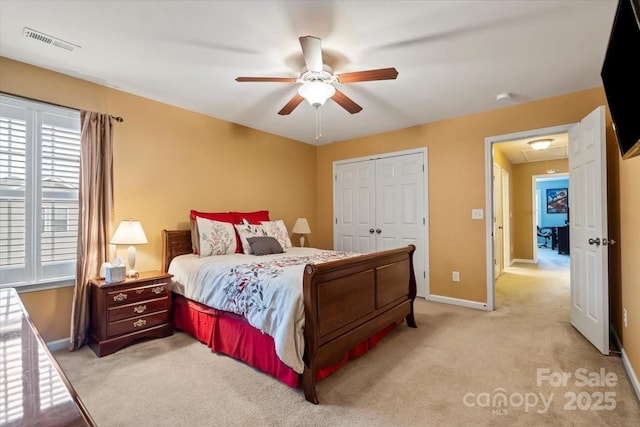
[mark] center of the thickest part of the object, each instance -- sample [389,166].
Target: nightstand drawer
[137,309]
[135,324]
[159,288]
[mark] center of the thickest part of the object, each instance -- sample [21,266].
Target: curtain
[95,215]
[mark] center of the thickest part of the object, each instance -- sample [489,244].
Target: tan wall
[629,246]
[167,161]
[523,208]
[456,180]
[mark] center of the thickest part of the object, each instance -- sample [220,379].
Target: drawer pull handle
[140,322]
[139,291]
[140,309]
[120,297]
[158,290]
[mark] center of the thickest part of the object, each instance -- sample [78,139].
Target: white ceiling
[453,57]
[519,151]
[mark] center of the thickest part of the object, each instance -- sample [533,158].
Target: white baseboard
[632,375]
[457,301]
[58,344]
[626,362]
[526,261]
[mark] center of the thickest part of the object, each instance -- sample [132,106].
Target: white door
[354,199]
[381,204]
[588,229]
[506,224]
[399,200]
[498,244]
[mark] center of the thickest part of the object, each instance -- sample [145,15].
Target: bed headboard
[174,243]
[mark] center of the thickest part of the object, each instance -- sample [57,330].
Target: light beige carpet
[456,369]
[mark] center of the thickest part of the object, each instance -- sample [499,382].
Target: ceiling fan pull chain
[318,124]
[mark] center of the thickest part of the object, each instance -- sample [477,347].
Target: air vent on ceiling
[44,38]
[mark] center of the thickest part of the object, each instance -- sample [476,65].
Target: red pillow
[253,217]
[215,216]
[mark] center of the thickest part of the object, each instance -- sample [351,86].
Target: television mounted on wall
[621,78]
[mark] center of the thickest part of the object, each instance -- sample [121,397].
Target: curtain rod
[116,118]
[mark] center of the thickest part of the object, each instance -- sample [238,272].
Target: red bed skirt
[232,335]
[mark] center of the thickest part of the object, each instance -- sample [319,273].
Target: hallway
[543,287]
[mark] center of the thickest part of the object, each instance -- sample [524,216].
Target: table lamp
[130,233]
[301,227]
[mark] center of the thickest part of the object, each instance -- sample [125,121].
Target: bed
[348,305]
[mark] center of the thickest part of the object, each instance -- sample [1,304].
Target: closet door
[381,204]
[399,202]
[354,196]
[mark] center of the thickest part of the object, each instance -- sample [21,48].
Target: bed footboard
[348,301]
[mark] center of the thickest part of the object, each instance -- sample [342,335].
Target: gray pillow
[264,245]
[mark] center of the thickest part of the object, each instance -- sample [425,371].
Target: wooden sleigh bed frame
[345,301]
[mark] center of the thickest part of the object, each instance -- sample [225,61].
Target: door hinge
[424,221]
[336,220]
[424,273]
[335,177]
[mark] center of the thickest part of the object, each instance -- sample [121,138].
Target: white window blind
[39,180]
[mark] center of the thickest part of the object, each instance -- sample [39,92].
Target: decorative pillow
[217,216]
[252,217]
[215,237]
[249,230]
[278,230]
[264,245]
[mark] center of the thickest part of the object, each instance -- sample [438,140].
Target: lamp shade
[301,226]
[316,92]
[129,232]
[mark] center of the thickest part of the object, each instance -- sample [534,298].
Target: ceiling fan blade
[267,79]
[345,102]
[312,51]
[291,105]
[368,75]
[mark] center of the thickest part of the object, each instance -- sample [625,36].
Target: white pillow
[278,230]
[215,237]
[249,230]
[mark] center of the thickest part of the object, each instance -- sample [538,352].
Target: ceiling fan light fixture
[316,92]
[540,144]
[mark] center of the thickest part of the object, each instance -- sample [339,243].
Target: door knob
[595,241]
[371,230]
[378,231]
[609,242]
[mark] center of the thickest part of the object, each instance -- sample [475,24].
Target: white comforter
[266,290]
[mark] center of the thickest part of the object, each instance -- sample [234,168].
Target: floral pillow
[249,230]
[278,230]
[215,237]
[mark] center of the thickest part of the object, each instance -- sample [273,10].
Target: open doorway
[589,310]
[539,267]
[520,179]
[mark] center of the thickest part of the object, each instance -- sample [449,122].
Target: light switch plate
[477,214]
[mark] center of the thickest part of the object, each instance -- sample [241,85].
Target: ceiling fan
[318,80]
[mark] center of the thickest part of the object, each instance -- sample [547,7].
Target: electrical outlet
[477,214]
[455,276]
[624,317]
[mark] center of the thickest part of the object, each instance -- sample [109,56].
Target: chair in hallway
[545,233]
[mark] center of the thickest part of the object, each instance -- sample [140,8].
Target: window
[39,180]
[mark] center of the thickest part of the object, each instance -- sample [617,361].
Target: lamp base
[132,274]
[302,241]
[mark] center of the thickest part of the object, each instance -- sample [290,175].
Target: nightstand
[123,312]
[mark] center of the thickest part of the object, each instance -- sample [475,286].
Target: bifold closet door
[380,204]
[355,207]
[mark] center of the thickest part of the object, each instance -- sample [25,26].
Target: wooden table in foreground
[36,391]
